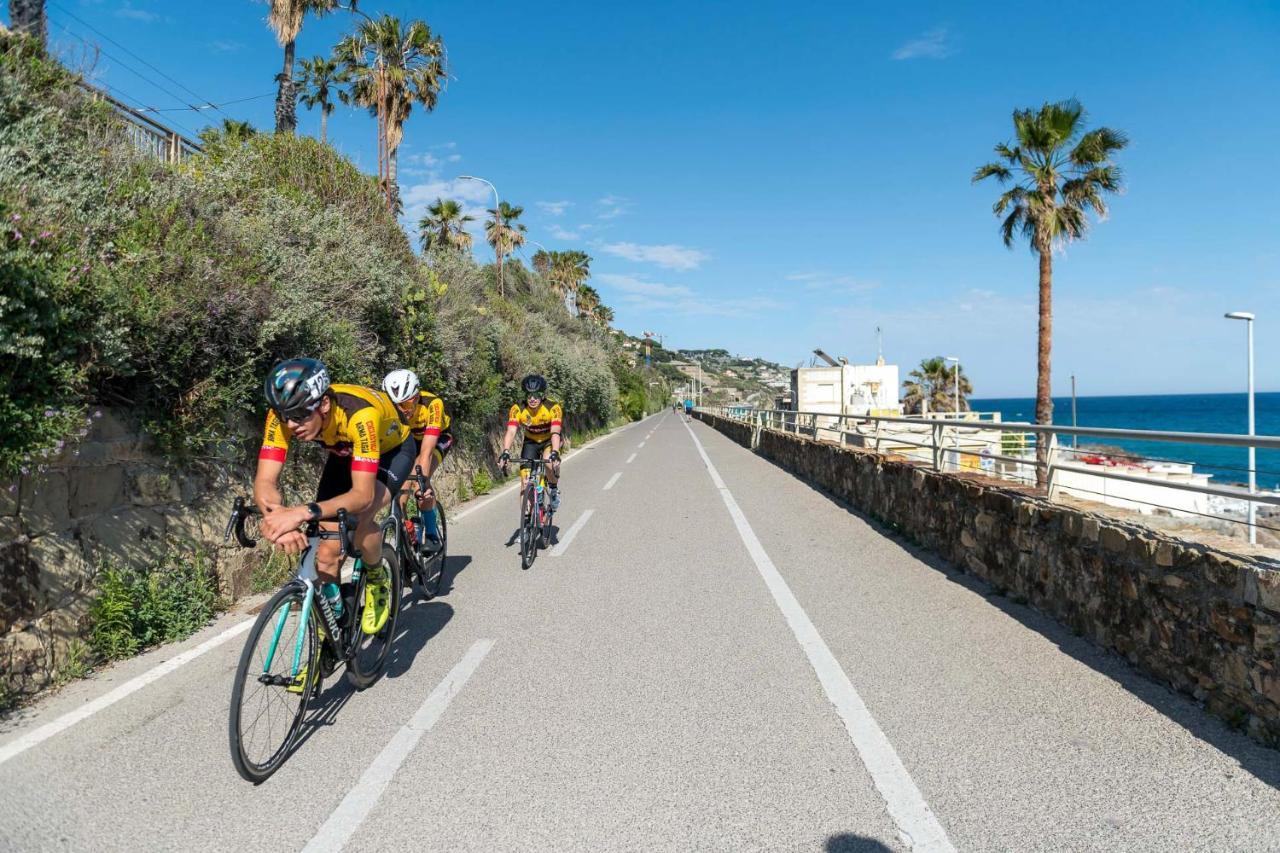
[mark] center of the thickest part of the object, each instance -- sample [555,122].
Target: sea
[1217,413]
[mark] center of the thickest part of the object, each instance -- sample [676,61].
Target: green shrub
[140,607]
[481,483]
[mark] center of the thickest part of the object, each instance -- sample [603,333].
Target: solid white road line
[916,822]
[66,721]
[612,480]
[360,800]
[629,458]
[563,544]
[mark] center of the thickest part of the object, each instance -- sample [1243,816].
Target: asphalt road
[716,657]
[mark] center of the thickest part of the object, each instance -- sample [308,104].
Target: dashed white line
[612,480]
[916,822]
[335,832]
[563,544]
[66,721]
[629,458]
[641,444]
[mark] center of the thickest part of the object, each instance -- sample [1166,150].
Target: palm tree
[27,17]
[393,67]
[934,383]
[232,132]
[1060,172]
[317,84]
[285,19]
[504,234]
[445,226]
[588,301]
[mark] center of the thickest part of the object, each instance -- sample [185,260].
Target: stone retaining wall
[1205,622]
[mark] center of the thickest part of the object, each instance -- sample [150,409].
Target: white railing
[1008,451]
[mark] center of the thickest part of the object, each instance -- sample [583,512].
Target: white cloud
[563,233]
[223,46]
[677,299]
[554,208]
[935,44]
[829,282]
[667,255]
[612,206]
[133,13]
[454,158]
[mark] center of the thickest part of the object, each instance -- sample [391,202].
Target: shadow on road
[453,566]
[419,621]
[848,842]
[1259,761]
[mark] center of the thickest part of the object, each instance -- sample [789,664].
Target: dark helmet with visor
[534,385]
[295,387]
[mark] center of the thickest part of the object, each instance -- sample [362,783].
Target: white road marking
[629,458]
[66,721]
[641,444]
[335,832]
[612,480]
[563,544]
[916,822]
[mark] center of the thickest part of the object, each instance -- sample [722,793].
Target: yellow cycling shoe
[299,681]
[377,600]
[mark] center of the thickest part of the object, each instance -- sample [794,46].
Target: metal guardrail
[945,438]
[148,135]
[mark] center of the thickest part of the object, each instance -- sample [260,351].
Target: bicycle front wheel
[433,567]
[528,528]
[269,700]
[365,666]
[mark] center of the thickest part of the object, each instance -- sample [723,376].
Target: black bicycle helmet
[294,387]
[534,385]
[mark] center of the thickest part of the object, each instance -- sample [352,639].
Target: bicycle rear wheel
[433,567]
[265,713]
[370,656]
[528,528]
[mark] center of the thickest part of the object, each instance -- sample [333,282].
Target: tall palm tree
[27,17]
[504,234]
[285,19]
[317,85]
[392,67]
[588,301]
[1059,172]
[445,226]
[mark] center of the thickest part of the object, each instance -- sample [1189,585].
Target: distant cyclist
[431,428]
[542,421]
[370,454]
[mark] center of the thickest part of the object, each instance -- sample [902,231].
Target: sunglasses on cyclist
[299,415]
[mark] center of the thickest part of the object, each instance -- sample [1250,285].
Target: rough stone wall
[1205,622]
[108,497]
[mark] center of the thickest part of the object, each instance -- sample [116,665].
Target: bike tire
[433,569]
[528,529]
[277,749]
[370,656]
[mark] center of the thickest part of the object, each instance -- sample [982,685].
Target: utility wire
[177,83]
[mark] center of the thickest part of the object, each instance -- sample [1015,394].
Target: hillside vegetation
[168,291]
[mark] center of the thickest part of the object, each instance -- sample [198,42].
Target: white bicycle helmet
[401,385]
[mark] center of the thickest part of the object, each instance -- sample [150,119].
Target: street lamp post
[1253,451]
[497,218]
[956,382]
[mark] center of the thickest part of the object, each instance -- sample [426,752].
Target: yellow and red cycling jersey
[430,418]
[538,422]
[363,424]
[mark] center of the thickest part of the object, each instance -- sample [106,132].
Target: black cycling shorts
[532,450]
[393,467]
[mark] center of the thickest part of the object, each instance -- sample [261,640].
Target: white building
[847,389]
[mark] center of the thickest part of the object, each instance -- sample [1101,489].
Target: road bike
[296,642]
[535,512]
[418,556]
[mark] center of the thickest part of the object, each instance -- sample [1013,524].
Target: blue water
[1222,413]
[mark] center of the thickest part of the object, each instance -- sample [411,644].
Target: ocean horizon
[1225,412]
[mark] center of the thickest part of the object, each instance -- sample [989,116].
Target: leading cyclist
[542,421]
[370,455]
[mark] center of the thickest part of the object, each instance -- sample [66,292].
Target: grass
[272,572]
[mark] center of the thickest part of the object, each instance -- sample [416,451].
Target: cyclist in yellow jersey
[430,425]
[542,421]
[370,454]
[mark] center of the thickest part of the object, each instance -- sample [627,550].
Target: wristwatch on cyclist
[555,456]
[314,509]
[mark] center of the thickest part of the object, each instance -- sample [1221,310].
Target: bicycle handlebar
[241,511]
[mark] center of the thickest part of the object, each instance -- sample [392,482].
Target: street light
[956,380]
[497,217]
[1253,451]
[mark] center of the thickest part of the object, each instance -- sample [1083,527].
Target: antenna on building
[879,348]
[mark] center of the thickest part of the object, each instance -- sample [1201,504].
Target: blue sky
[771,177]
